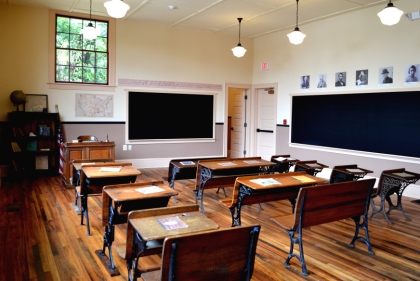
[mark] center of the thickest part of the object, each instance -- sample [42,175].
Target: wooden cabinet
[84,150]
[34,143]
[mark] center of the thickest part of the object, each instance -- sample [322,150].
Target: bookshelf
[34,143]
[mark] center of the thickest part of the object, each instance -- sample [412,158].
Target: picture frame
[36,103]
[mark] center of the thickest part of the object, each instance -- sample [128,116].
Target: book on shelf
[17,132]
[32,145]
[44,149]
[15,147]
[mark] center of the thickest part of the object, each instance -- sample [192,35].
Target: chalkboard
[380,122]
[170,116]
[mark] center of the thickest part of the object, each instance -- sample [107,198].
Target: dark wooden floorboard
[41,237]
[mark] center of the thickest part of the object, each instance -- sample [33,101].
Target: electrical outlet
[129,147]
[124,147]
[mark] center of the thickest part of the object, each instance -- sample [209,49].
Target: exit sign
[264,65]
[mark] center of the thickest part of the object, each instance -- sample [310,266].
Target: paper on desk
[110,169]
[227,164]
[81,164]
[313,165]
[187,163]
[150,189]
[172,223]
[265,182]
[303,179]
[252,162]
[355,170]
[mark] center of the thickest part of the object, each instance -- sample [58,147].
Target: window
[80,60]
[75,63]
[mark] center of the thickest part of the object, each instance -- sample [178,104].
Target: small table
[119,200]
[311,167]
[148,229]
[394,181]
[283,163]
[348,173]
[225,171]
[251,192]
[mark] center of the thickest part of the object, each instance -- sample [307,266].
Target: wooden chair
[85,190]
[227,254]
[87,138]
[328,203]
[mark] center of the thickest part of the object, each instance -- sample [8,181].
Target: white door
[237,108]
[266,124]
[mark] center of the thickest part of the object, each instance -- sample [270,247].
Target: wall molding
[169,85]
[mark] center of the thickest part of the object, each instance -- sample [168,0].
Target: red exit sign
[264,65]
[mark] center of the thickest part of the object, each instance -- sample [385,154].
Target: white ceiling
[259,16]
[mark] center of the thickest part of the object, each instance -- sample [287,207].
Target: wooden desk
[246,192]
[119,200]
[146,229]
[221,173]
[93,180]
[347,173]
[394,181]
[83,150]
[311,167]
[283,163]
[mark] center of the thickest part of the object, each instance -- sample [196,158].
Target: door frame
[254,115]
[248,90]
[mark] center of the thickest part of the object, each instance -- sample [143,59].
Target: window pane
[62,40]
[76,74]
[76,26]
[101,44]
[89,59]
[63,24]
[101,75]
[89,75]
[76,58]
[101,60]
[76,41]
[62,57]
[88,44]
[102,28]
[62,74]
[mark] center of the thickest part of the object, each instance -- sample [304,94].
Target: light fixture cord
[90,11]
[239,19]
[297,12]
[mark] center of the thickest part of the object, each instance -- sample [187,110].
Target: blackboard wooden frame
[379,124]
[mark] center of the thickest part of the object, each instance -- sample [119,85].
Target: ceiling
[259,16]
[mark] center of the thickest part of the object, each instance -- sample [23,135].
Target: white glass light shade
[89,32]
[390,15]
[239,51]
[116,8]
[296,37]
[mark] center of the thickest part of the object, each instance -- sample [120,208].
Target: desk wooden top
[352,170]
[150,229]
[402,174]
[285,180]
[95,172]
[78,166]
[283,159]
[312,164]
[235,163]
[133,192]
[88,143]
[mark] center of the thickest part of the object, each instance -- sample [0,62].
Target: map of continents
[94,105]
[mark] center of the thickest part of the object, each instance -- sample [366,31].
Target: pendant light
[296,37]
[90,32]
[390,15]
[116,8]
[239,51]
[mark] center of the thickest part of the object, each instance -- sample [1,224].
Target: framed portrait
[304,82]
[36,103]
[412,73]
[386,75]
[362,78]
[340,79]
[322,81]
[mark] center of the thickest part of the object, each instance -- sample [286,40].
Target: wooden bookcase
[34,143]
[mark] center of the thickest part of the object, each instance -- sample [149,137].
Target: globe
[17,97]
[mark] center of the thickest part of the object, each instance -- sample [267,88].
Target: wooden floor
[42,239]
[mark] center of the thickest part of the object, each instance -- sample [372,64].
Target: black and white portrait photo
[340,79]
[322,81]
[362,77]
[385,75]
[304,82]
[412,73]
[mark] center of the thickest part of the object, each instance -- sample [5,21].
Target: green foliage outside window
[80,60]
